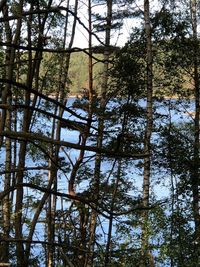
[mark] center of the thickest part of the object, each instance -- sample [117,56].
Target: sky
[81,39]
[119,37]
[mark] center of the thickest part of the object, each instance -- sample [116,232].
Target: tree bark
[148,132]
[6,120]
[6,123]
[98,159]
[110,226]
[195,175]
[32,75]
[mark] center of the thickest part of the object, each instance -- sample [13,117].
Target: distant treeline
[78,73]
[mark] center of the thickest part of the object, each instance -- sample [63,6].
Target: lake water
[178,111]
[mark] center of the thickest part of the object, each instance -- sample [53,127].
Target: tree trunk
[6,123]
[98,159]
[33,73]
[148,132]
[61,94]
[110,226]
[7,184]
[6,119]
[196,161]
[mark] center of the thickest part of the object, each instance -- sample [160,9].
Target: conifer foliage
[99,146]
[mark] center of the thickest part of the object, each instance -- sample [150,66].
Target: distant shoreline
[78,95]
[53,96]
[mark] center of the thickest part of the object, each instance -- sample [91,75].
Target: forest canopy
[99,146]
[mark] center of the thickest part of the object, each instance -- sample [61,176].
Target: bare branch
[52,50]
[35,137]
[57,9]
[79,126]
[35,92]
[82,200]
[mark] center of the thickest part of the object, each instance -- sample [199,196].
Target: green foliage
[128,72]
[78,73]
[118,189]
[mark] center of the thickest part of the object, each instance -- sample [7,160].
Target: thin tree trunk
[97,171]
[6,123]
[6,117]
[110,227]
[61,94]
[7,184]
[52,203]
[89,256]
[83,211]
[172,186]
[33,72]
[196,161]
[147,139]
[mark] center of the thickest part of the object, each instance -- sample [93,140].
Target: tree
[195,172]
[148,131]
[82,178]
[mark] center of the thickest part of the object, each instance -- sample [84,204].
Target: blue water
[178,112]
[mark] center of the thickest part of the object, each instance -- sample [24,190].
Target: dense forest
[99,146]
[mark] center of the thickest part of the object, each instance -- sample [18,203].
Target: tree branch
[34,137]
[35,92]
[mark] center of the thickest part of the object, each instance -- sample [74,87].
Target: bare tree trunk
[61,94]
[89,257]
[97,171]
[147,139]
[51,219]
[82,209]
[110,227]
[33,73]
[52,202]
[7,184]
[196,160]
[6,123]
[6,119]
